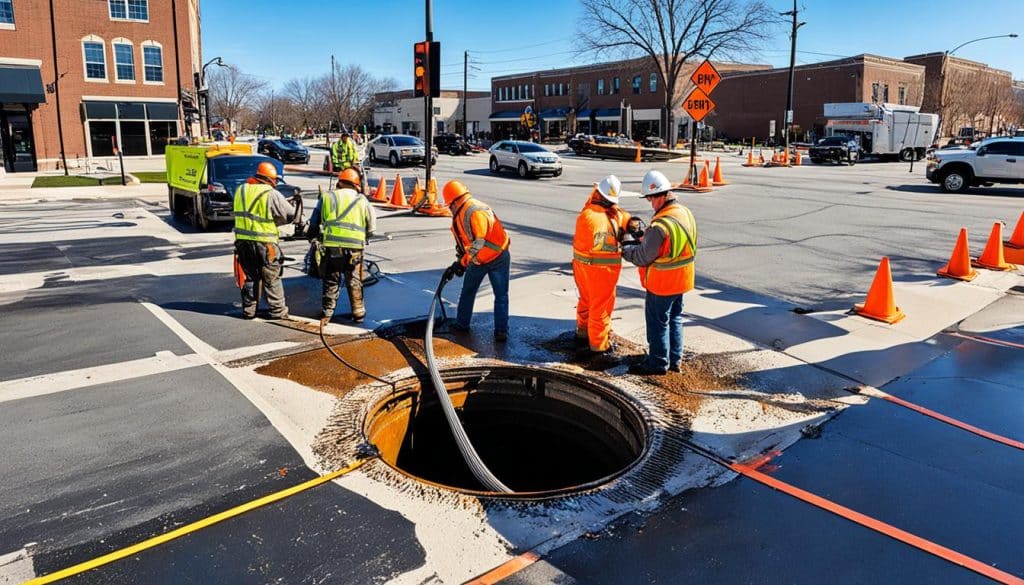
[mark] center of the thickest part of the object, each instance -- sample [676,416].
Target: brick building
[966,94]
[615,97]
[751,103]
[117,65]
[402,111]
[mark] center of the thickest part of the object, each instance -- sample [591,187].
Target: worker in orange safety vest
[597,262]
[481,249]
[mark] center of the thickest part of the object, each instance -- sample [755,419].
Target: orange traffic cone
[881,302]
[993,257]
[419,197]
[637,159]
[398,195]
[750,159]
[381,194]
[717,180]
[959,266]
[432,191]
[798,160]
[705,176]
[1017,239]
[760,157]
[686,181]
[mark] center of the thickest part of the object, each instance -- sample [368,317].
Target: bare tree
[671,32]
[232,92]
[349,94]
[307,101]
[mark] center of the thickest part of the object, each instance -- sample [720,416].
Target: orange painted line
[990,340]
[506,569]
[879,526]
[951,421]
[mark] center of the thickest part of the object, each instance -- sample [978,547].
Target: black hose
[347,364]
[469,454]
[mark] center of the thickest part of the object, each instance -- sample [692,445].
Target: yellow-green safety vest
[343,155]
[252,214]
[343,219]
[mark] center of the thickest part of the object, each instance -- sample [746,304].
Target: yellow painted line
[193,527]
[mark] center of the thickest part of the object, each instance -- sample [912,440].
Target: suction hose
[476,466]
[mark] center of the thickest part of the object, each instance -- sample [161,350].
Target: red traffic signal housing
[426,67]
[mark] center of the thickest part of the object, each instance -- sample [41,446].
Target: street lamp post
[942,73]
[206,96]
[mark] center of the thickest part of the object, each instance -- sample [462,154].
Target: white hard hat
[654,184]
[609,188]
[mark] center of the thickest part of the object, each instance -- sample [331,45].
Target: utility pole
[465,93]
[787,118]
[56,89]
[428,100]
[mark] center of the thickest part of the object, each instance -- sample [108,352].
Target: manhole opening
[539,431]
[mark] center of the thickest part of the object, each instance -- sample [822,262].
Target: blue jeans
[497,271]
[664,317]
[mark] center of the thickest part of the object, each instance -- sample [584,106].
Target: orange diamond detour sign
[698,104]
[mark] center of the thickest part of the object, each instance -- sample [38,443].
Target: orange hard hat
[350,176]
[267,170]
[453,190]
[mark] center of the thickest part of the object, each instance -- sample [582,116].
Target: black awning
[21,85]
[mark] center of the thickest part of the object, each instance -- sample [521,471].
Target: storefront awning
[554,114]
[505,116]
[604,114]
[21,85]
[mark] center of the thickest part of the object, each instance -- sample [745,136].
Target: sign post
[698,105]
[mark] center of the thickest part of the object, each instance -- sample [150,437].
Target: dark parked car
[837,149]
[286,150]
[451,144]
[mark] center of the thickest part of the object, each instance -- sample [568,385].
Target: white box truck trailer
[884,130]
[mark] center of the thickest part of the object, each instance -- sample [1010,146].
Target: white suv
[526,158]
[398,148]
[995,160]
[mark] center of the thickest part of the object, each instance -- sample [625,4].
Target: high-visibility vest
[343,155]
[672,273]
[596,240]
[343,219]
[480,250]
[251,209]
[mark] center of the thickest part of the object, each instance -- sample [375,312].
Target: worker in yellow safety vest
[258,209]
[343,153]
[343,220]
[597,262]
[665,255]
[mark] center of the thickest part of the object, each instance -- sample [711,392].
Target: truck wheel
[176,211]
[955,181]
[197,219]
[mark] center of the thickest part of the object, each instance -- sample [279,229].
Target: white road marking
[17,566]
[241,353]
[163,361]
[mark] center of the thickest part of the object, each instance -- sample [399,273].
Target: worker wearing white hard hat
[597,262]
[665,257]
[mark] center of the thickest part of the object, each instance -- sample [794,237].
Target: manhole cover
[540,431]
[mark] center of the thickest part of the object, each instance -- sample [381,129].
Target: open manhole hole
[541,432]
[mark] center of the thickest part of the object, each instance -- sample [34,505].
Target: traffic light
[426,64]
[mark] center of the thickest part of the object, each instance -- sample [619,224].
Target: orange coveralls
[596,264]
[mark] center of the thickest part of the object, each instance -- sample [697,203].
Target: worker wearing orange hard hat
[343,220]
[481,246]
[597,262]
[258,209]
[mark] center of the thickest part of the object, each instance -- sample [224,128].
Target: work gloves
[633,233]
[453,271]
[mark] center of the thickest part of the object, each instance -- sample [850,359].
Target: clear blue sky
[279,40]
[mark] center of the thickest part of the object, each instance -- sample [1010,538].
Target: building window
[124,60]
[615,86]
[903,95]
[561,89]
[637,81]
[547,90]
[129,10]
[95,62]
[153,62]
[7,12]
[885,93]
[654,82]
[600,87]
[876,89]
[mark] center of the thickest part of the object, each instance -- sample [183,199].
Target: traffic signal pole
[428,100]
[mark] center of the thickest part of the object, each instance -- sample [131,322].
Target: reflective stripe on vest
[251,208]
[679,238]
[596,260]
[343,219]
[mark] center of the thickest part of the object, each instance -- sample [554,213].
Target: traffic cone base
[1017,239]
[993,258]
[959,265]
[881,302]
[717,179]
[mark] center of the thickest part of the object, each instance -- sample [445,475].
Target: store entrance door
[16,141]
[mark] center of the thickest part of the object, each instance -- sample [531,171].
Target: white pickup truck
[995,160]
